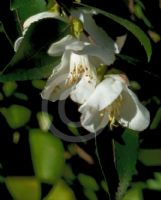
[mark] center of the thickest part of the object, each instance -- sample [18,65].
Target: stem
[8,38]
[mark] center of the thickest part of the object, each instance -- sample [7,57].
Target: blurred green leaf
[47,156]
[157,176]
[140,14]
[44,120]
[39,84]
[20,95]
[150,157]
[157,119]
[9,88]
[1,96]
[126,157]
[68,174]
[16,137]
[135,193]
[105,186]
[90,194]
[88,182]
[2,179]
[26,188]
[16,115]
[73,128]
[61,191]
[153,184]
[134,29]
[27,8]
[31,61]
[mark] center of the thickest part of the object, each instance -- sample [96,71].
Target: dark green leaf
[27,8]
[150,157]
[31,61]
[157,119]
[30,74]
[88,182]
[134,29]
[126,157]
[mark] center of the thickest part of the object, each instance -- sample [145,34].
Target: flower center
[80,67]
[113,111]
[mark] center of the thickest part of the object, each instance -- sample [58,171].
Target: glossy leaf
[134,29]
[27,8]
[126,157]
[47,156]
[25,188]
[31,61]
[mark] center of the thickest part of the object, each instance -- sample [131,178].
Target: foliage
[35,164]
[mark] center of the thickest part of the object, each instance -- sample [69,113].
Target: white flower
[33,19]
[97,35]
[76,73]
[113,102]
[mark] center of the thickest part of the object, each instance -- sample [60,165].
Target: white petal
[133,114]
[104,54]
[59,47]
[97,35]
[105,93]
[76,46]
[92,120]
[83,90]
[56,88]
[38,17]
[17,43]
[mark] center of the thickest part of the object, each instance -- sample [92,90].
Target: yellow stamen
[76,74]
[113,111]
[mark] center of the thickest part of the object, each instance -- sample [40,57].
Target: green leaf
[9,88]
[135,193]
[88,182]
[30,74]
[47,156]
[27,8]
[16,115]
[126,157]
[150,157]
[61,191]
[91,195]
[25,188]
[31,61]
[157,119]
[134,29]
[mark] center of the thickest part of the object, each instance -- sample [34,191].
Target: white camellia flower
[113,102]
[75,75]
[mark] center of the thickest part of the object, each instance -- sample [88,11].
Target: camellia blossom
[80,57]
[114,103]
[76,74]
